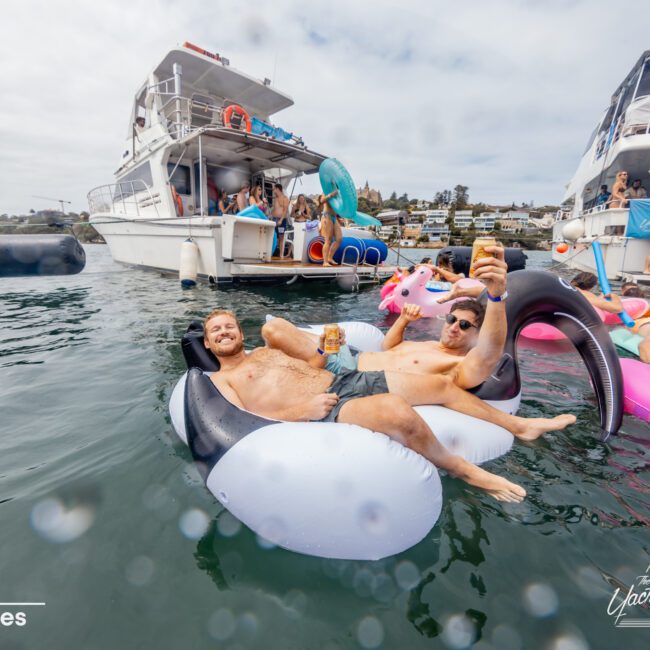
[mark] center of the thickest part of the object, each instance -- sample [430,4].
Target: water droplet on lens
[407,575]
[194,523]
[540,600]
[295,603]
[569,642]
[59,523]
[271,533]
[459,632]
[139,571]
[228,525]
[221,624]
[506,638]
[370,632]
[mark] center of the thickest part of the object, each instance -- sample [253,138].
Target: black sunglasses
[464,325]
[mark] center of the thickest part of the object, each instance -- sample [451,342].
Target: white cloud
[500,96]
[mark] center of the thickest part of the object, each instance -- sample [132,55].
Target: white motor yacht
[198,125]
[620,142]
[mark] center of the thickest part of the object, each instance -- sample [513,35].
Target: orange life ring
[178,202]
[236,108]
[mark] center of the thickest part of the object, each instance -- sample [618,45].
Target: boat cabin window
[135,181]
[644,85]
[628,93]
[181,178]
[592,137]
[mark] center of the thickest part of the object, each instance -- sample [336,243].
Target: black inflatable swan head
[533,297]
[541,297]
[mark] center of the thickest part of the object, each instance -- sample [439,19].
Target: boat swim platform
[279,267]
[638,277]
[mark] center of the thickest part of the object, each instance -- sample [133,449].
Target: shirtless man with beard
[274,385]
[471,342]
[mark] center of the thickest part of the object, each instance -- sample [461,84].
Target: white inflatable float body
[341,491]
[325,489]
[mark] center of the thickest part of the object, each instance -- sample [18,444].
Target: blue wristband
[500,298]
[321,352]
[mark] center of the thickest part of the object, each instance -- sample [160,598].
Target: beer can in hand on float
[479,252]
[332,339]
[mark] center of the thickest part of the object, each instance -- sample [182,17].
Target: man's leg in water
[391,415]
[285,336]
[440,389]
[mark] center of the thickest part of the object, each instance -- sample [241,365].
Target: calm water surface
[106,521]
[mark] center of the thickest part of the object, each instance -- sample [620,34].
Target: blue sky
[415,97]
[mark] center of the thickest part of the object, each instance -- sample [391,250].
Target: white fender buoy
[573,230]
[189,263]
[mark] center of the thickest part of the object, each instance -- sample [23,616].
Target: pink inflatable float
[413,290]
[635,307]
[542,332]
[636,379]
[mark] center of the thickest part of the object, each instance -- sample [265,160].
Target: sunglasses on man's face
[464,325]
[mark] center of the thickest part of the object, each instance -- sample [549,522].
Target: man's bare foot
[326,264]
[533,428]
[497,486]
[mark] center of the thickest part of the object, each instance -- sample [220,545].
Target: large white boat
[620,142]
[197,124]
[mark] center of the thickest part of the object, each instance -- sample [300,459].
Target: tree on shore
[461,196]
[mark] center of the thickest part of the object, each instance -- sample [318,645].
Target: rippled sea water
[105,519]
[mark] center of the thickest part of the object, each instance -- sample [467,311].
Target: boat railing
[186,115]
[608,139]
[129,198]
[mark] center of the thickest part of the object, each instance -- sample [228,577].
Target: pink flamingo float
[412,289]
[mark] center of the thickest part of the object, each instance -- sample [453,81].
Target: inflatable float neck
[539,296]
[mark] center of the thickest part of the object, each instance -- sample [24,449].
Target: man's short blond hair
[220,312]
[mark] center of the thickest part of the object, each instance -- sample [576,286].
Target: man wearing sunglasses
[471,342]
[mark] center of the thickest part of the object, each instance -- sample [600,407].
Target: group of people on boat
[293,379]
[621,194]
[282,211]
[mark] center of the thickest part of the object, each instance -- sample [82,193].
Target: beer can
[332,339]
[478,251]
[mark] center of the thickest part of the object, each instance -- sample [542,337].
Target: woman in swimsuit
[301,211]
[329,228]
[618,199]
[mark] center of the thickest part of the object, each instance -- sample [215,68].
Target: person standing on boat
[279,213]
[618,199]
[257,199]
[637,191]
[301,211]
[241,199]
[604,195]
[329,228]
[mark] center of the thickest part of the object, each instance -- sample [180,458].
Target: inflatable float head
[541,297]
[413,290]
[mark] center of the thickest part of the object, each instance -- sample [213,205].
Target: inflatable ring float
[178,202]
[334,176]
[319,488]
[236,108]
